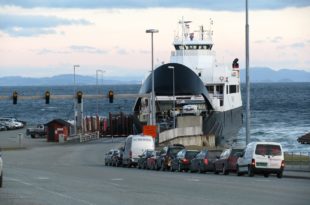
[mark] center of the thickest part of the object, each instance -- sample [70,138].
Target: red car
[227,161]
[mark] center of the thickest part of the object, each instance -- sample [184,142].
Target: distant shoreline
[124,84]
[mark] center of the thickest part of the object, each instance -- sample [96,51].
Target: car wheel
[266,175]
[1,179]
[200,170]
[224,171]
[179,168]
[238,171]
[162,166]
[215,171]
[280,174]
[250,171]
[156,167]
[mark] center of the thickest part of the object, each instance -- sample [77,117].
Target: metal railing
[297,161]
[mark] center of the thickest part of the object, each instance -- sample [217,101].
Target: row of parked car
[8,123]
[258,157]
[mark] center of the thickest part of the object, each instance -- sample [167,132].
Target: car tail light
[282,164]
[253,162]
[185,161]
[130,154]
[205,161]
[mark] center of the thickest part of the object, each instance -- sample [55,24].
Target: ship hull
[224,125]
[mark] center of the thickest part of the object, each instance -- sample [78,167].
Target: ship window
[226,89]
[232,88]
[221,103]
[219,89]
[210,88]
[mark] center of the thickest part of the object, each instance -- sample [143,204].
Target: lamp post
[74,95]
[247,62]
[173,93]
[97,85]
[153,121]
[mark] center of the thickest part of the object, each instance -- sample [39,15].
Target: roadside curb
[296,177]
[297,174]
[12,148]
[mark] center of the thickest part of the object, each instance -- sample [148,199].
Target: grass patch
[296,159]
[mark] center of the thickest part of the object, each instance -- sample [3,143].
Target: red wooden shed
[57,127]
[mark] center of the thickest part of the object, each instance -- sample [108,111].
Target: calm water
[279,112]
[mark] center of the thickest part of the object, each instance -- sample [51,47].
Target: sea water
[280,112]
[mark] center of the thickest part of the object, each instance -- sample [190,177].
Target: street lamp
[173,90]
[97,85]
[152,31]
[74,94]
[74,66]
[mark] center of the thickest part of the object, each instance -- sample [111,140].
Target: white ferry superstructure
[193,77]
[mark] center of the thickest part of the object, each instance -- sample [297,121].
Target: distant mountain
[268,75]
[66,79]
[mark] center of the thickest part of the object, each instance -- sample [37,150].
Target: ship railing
[191,52]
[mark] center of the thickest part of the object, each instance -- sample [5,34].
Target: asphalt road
[75,174]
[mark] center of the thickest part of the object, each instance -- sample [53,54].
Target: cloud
[122,51]
[86,49]
[297,45]
[145,51]
[70,50]
[275,39]
[229,5]
[34,25]
[49,51]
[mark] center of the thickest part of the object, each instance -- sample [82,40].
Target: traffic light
[111,96]
[47,97]
[79,96]
[14,96]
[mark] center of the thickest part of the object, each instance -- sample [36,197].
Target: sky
[46,38]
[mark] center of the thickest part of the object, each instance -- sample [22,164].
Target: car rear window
[213,154]
[274,150]
[191,154]
[175,150]
[235,151]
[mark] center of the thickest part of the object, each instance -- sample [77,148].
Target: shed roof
[59,121]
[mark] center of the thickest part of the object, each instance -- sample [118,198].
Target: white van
[261,158]
[190,110]
[134,146]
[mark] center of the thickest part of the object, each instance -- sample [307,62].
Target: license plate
[261,164]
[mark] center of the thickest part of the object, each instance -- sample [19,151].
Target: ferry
[194,83]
